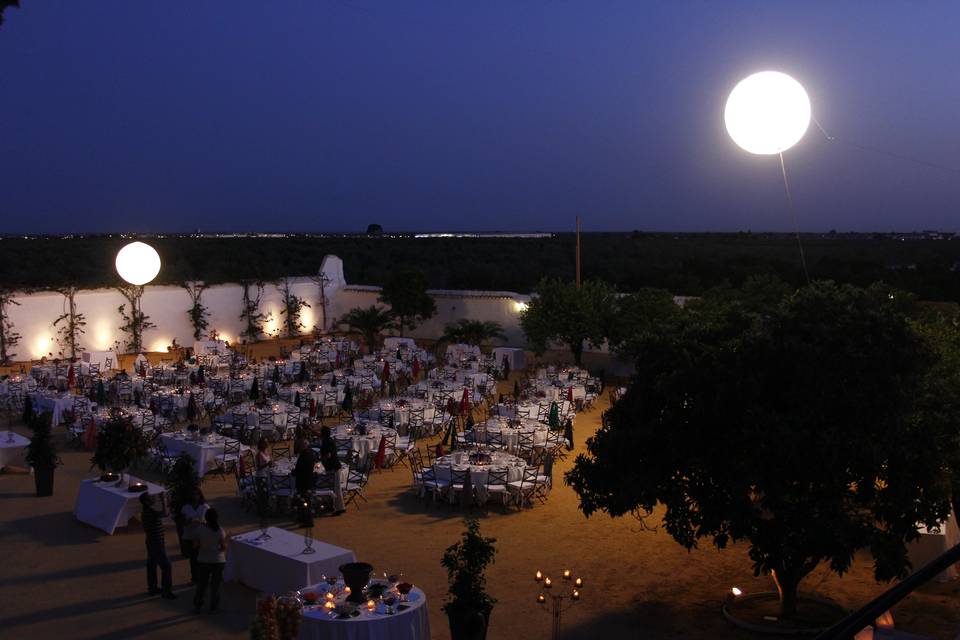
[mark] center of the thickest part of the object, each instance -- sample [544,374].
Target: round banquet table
[459,461]
[409,624]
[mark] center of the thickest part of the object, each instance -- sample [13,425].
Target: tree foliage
[560,312]
[810,428]
[405,291]
[474,332]
[368,323]
[465,562]
[135,322]
[70,324]
[9,338]
[198,313]
[292,308]
[253,318]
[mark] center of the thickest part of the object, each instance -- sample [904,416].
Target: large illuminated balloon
[138,263]
[767,112]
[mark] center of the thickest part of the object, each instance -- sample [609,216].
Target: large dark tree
[810,429]
[406,293]
[560,312]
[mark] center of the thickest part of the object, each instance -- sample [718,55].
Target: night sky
[326,116]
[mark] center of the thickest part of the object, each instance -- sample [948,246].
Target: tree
[638,316]
[136,322]
[406,293]
[369,323]
[9,338]
[292,307]
[197,312]
[374,230]
[250,313]
[70,324]
[466,331]
[560,312]
[809,430]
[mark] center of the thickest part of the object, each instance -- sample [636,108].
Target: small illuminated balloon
[138,263]
[767,112]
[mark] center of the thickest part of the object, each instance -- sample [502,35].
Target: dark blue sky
[250,115]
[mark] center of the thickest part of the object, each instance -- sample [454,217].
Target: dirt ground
[63,579]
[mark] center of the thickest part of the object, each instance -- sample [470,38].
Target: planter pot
[43,477]
[356,575]
[468,623]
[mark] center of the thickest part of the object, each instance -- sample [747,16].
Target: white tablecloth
[516,357]
[410,624]
[57,405]
[392,342]
[203,347]
[11,452]
[279,565]
[204,453]
[108,506]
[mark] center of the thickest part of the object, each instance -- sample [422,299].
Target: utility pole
[578,253]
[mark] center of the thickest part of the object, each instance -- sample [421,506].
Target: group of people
[203,542]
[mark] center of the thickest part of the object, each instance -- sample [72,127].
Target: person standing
[211,543]
[303,471]
[331,464]
[192,514]
[151,517]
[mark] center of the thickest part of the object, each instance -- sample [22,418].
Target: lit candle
[736,592]
[575,595]
[541,598]
[566,574]
[371,605]
[547,583]
[329,605]
[346,590]
[329,596]
[538,577]
[578,583]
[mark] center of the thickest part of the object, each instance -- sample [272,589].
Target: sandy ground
[60,578]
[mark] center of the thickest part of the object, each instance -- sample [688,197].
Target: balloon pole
[793,216]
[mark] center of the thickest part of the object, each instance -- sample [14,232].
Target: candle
[736,592]
[566,574]
[346,590]
[541,598]
[575,595]
[578,582]
[329,596]
[329,605]
[538,577]
[547,583]
[371,605]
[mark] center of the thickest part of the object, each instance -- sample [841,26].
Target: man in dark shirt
[303,471]
[156,548]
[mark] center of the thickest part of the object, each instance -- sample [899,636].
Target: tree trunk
[577,349]
[788,583]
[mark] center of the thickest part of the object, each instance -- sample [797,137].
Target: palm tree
[368,323]
[475,332]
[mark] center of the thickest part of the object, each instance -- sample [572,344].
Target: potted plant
[181,483]
[468,605]
[41,454]
[119,443]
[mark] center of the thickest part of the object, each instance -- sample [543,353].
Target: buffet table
[413,623]
[279,565]
[107,506]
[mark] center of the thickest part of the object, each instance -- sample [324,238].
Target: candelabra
[559,600]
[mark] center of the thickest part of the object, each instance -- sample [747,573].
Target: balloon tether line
[793,216]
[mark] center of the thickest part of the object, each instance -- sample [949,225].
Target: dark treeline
[685,264]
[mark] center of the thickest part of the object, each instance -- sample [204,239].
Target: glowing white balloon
[138,263]
[767,112]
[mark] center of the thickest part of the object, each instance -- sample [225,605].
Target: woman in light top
[263,460]
[192,515]
[211,543]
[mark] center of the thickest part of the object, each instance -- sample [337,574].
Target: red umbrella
[416,367]
[381,453]
[71,377]
[465,401]
[570,395]
[386,371]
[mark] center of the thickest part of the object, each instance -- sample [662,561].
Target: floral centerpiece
[119,443]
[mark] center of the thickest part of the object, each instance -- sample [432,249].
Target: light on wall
[519,306]
[138,263]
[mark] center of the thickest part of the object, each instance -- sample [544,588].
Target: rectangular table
[12,447]
[279,565]
[108,506]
